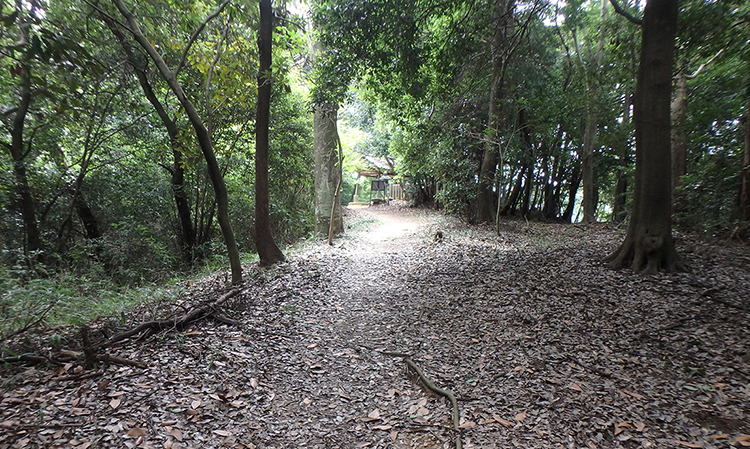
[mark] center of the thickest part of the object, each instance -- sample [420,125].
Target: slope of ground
[543,346]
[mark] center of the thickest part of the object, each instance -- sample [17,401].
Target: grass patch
[66,299]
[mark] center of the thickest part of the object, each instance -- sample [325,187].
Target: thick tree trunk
[204,140]
[268,252]
[327,170]
[485,195]
[648,245]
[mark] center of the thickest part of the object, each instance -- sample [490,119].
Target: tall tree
[23,16]
[201,132]
[502,20]
[268,252]
[327,170]
[648,245]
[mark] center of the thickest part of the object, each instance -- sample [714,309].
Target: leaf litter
[543,346]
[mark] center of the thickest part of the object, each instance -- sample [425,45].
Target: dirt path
[543,346]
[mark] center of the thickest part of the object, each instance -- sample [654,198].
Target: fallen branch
[442,392]
[150,328]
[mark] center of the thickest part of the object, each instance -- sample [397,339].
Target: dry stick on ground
[150,328]
[434,388]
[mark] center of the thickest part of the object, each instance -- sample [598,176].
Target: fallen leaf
[222,433]
[520,417]
[114,403]
[254,382]
[195,404]
[136,432]
[574,386]
[639,426]
[720,436]
[168,423]
[484,422]
[688,444]
[504,422]
[633,394]
[312,346]
[467,425]
[393,435]
[742,438]
[307,401]
[383,427]
[372,416]
[363,444]
[177,434]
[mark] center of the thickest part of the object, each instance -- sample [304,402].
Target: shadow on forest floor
[543,346]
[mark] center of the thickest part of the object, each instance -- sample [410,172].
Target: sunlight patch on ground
[390,231]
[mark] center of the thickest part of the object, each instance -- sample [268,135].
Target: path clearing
[543,346]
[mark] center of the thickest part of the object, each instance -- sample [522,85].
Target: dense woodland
[145,140]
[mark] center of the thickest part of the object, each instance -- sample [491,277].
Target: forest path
[543,346]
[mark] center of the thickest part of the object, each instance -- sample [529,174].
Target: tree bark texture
[268,252]
[648,245]
[327,170]
[204,140]
[485,196]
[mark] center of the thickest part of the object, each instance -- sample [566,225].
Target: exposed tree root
[647,254]
[442,392]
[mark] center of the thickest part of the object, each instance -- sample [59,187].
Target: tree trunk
[327,170]
[587,161]
[26,203]
[648,245]
[485,195]
[177,171]
[623,160]
[745,196]
[204,140]
[679,133]
[590,194]
[575,182]
[268,252]
[514,194]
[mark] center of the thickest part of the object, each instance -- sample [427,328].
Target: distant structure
[379,171]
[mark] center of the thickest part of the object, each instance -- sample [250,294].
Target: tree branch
[627,15]
[195,35]
[703,66]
